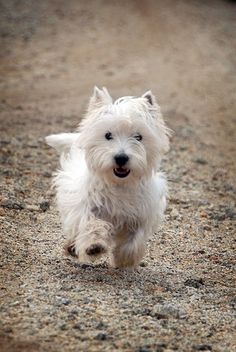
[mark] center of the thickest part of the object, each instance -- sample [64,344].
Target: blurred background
[52,53]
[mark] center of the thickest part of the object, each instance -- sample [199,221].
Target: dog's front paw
[96,249]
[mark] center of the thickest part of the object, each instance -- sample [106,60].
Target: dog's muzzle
[121,171]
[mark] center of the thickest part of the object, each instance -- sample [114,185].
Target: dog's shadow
[73,273]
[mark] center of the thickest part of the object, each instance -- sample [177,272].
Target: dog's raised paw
[95,249]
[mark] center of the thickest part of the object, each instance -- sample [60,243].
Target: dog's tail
[62,142]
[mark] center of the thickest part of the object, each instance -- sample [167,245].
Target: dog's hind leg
[129,250]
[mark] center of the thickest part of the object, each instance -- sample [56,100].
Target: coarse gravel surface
[182,297]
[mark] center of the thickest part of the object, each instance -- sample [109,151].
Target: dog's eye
[108,136]
[138,137]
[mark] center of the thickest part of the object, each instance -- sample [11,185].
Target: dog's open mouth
[121,172]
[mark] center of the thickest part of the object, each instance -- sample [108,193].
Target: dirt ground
[182,297]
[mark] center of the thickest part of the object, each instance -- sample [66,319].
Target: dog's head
[124,140]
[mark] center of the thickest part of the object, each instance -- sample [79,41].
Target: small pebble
[175,214]
[77,326]
[200,161]
[101,336]
[196,283]
[32,207]
[63,327]
[207,227]
[47,174]
[202,348]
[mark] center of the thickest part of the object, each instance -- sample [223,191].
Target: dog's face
[125,140]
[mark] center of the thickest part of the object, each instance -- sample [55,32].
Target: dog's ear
[99,98]
[62,142]
[149,97]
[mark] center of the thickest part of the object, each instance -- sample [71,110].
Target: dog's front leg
[92,241]
[129,249]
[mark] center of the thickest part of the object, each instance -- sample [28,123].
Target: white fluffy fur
[100,212]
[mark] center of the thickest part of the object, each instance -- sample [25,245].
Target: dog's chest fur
[121,205]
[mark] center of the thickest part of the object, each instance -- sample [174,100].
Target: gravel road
[182,297]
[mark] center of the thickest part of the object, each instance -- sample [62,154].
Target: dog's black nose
[121,159]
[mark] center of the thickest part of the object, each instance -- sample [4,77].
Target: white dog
[109,193]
